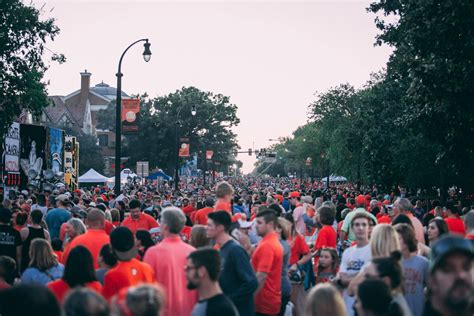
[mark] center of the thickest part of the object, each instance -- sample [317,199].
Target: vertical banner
[12,148]
[56,149]
[68,149]
[33,154]
[75,164]
[130,113]
[184,150]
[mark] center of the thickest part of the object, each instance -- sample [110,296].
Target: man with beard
[202,272]
[451,285]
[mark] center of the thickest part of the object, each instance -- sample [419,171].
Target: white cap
[244,224]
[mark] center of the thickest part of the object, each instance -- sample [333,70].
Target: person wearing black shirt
[202,272]
[10,239]
[237,280]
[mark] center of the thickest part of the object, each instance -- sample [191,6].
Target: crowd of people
[247,246]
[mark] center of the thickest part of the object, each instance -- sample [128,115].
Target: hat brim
[126,255]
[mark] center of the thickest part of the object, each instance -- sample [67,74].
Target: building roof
[107,91]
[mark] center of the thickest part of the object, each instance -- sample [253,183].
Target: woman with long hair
[324,299]
[28,234]
[437,227]
[384,241]
[327,265]
[44,266]
[79,271]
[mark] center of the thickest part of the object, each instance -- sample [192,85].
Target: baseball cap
[63,198]
[123,243]
[360,199]
[294,194]
[244,224]
[447,245]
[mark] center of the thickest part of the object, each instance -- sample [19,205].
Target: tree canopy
[209,129]
[412,124]
[23,35]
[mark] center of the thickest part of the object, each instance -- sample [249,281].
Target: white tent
[124,174]
[334,178]
[92,176]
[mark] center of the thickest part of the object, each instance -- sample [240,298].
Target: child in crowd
[327,265]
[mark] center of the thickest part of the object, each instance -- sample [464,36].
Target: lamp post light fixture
[118,118]
[176,167]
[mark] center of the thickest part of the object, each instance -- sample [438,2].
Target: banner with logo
[184,150]
[130,113]
[12,148]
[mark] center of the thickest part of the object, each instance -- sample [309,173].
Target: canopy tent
[159,174]
[124,174]
[333,178]
[92,176]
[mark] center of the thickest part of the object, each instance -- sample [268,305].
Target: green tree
[23,35]
[434,59]
[209,129]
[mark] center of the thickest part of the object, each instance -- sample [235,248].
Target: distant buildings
[78,111]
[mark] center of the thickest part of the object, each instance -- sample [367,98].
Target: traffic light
[250,151]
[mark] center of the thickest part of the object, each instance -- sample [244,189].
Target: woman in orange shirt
[79,271]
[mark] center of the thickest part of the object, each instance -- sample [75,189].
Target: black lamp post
[118,119]
[176,167]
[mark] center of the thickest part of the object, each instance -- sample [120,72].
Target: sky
[269,57]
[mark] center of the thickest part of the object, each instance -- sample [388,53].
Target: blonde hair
[285,227]
[324,299]
[224,189]
[41,255]
[384,241]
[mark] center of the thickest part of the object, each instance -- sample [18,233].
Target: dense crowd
[248,246]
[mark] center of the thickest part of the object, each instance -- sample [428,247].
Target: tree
[210,129]
[434,59]
[23,35]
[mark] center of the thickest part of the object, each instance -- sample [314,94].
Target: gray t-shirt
[285,280]
[415,274]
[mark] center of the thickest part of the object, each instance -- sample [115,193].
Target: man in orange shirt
[201,214]
[94,238]
[267,261]
[138,220]
[128,271]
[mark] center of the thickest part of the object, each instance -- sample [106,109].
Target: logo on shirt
[355,265]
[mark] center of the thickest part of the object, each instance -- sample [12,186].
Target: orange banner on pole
[130,112]
[184,150]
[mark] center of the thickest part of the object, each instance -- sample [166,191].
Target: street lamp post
[118,119]
[176,167]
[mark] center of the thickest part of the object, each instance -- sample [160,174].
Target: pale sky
[270,57]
